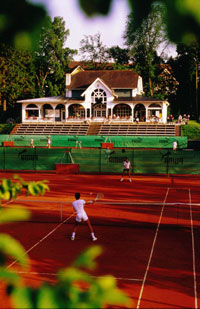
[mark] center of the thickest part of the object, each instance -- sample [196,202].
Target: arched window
[32,110]
[155,105]
[98,96]
[122,110]
[59,112]
[76,111]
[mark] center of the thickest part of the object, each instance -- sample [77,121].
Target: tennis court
[148,229]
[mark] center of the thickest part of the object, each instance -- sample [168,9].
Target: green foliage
[17,74]
[51,59]
[120,55]
[9,247]
[10,190]
[182,17]
[185,67]
[20,23]
[93,50]
[144,42]
[75,288]
[6,128]
[191,130]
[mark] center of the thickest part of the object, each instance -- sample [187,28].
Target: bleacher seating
[138,129]
[100,129]
[51,129]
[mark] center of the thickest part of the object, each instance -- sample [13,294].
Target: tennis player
[81,215]
[127,167]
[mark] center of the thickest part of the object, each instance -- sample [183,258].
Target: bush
[6,128]
[191,130]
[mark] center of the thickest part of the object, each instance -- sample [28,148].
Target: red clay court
[148,229]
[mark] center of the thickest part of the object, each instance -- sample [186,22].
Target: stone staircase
[94,128]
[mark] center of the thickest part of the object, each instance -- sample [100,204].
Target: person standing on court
[81,215]
[31,143]
[127,167]
[49,142]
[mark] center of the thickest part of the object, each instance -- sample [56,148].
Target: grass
[191,130]
[6,128]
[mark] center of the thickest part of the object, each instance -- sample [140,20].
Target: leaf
[71,274]
[10,246]
[12,215]
[86,259]
[22,298]
[95,6]
[46,298]
[9,276]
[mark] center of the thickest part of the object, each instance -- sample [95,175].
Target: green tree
[17,76]
[144,42]
[119,55]
[186,69]
[20,23]
[182,17]
[93,51]
[52,58]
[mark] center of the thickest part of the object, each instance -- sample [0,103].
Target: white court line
[54,274]
[41,240]
[151,253]
[193,254]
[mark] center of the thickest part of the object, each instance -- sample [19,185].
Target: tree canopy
[143,43]
[52,58]
[93,50]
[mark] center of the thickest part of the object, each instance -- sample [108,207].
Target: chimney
[68,79]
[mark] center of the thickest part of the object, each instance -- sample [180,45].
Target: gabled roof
[98,80]
[113,79]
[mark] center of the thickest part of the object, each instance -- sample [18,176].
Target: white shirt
[78,206]
[127,164]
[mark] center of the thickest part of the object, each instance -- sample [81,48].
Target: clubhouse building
[101,95]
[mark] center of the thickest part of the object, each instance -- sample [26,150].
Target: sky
[110,27]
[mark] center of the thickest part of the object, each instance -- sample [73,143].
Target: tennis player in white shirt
[81,215]
[127,167]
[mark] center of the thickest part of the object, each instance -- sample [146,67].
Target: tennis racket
[100,195]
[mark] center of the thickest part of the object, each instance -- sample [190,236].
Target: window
[123,93]
[77,93]
[98,96]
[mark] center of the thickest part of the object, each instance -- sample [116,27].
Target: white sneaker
[122,179]
[72,237]
[94,238]
[130,180]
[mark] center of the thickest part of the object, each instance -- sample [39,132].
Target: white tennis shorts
[81,217]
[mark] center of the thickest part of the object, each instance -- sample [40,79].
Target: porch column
[146,109]
[54,108]
[164,112]
[39,113]
[66,112]
[23,113]
[132,111]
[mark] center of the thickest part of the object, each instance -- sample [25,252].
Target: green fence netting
[97,160]
[32,158]
[95,141]
[145,161]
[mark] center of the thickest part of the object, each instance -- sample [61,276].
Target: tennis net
[117,213]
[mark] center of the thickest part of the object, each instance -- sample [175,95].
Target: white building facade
[108,95]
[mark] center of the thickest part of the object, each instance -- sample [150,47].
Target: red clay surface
[151,249]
